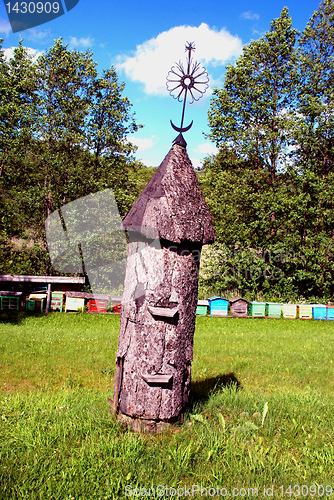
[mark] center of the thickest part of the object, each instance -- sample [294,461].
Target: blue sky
[143,39]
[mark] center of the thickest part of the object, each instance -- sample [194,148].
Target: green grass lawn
[273,427]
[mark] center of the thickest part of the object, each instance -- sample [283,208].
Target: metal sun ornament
[190,83]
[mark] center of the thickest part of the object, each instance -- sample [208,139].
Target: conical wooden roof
[172,205]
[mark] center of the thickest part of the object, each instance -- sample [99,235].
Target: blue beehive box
[330,312]
[218,306]
[319,311]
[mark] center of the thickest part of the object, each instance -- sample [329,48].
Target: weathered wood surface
[48,299]
[152,344]
[239,307]
[155,349]
[172,205]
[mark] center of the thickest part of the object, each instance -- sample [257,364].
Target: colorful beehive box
[74,304]
[330,312]
[30,304]
[9,303]
[289,311]
[319,311]
[97,306]
[10,300]
[57,301]
[305,311]
[202,307]
[274,310]
[117,308]
[218,306]
[239,307]
[39,305]
[40,300]
[257,308]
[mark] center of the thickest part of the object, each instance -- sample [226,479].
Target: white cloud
[257,32]
[197,163]
[250,15]
[81,42]
[9,53]
[34,53]
[37,35]
[149,163]
[143,144]
[207,148]
[153,59]
[5,27]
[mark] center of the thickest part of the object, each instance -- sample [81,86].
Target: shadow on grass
[17,317]
[13,317]
[201,390]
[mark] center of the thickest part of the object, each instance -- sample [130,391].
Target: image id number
[304,490]
[32,7]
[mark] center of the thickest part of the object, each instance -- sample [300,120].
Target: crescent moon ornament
[180,129]
[190,83]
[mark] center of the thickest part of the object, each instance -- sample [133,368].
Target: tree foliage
[270,188]
[250,115]
[315,128]
[63,134]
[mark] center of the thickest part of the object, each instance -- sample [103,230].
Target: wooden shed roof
[172,205]
[86,295]
[17,278]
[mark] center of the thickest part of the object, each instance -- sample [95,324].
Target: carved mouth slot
[158,379]
[166,312]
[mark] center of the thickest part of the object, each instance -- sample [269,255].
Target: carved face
[157,326]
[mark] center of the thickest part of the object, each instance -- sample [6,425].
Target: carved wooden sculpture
[167,226]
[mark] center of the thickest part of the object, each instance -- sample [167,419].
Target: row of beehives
[71,302]
[239,307]
[37,302]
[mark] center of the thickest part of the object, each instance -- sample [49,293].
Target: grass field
[268,435]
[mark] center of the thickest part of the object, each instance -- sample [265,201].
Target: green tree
[315,126]
[64,78]
[110,121]
[108,127]
[84,126]
[17,107]
[17,100]
[63,135]
[314,150]
[270,188]
[251,114]
[255,251]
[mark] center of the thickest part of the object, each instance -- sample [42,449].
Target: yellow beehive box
[305,311]
[289,311]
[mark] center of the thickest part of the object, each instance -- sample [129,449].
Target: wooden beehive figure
[167,226]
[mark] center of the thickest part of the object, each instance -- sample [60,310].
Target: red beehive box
[97,306]
[117,308]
